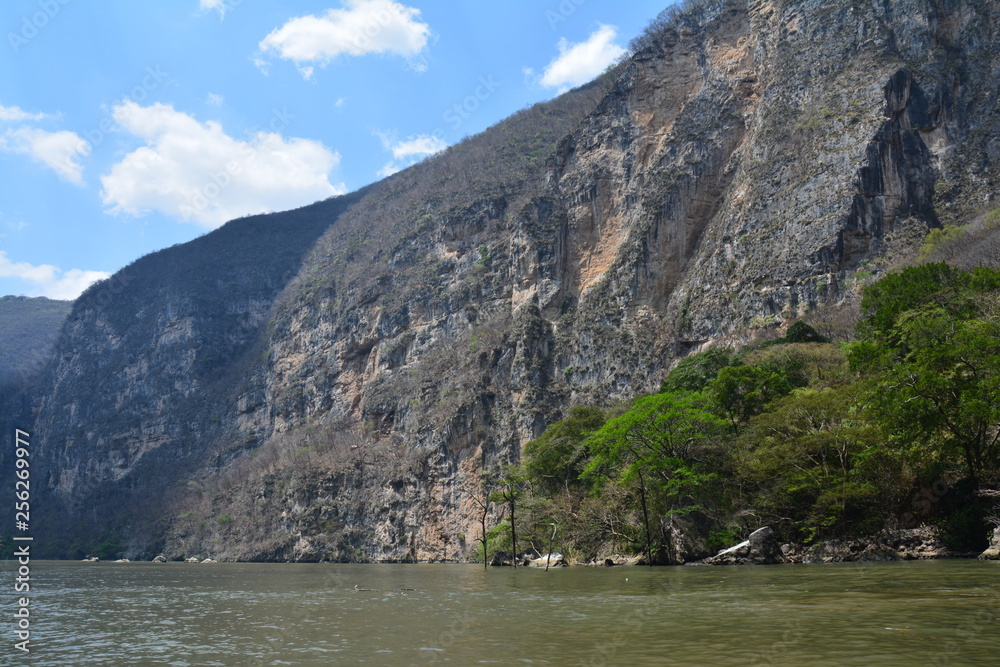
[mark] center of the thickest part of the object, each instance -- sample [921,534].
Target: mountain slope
[754,163]
[28,331]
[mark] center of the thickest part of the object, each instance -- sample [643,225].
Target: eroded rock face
[992,552]
[758,161]
[903,544]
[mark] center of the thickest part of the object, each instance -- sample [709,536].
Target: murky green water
[924,613]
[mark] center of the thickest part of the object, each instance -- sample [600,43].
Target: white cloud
[579,63]
[49,280]
[262,65]
[59,151]
[388,170]
[214,100]
[408,152]
[218,5]
[194,171]
[363,26]
[17,113]
[420,146]
[339,104]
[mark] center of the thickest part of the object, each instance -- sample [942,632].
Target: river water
[916,613]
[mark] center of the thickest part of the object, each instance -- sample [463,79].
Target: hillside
[329,383]
[29,328]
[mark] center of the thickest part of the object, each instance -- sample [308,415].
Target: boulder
[160,559]
[760,548]
[612,559]
[554,560]
[993,551]
[192,559]
[686,540]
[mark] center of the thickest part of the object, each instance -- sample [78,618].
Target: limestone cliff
[328,383]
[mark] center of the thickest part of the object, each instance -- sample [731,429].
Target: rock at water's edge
[993,551]
[761,548]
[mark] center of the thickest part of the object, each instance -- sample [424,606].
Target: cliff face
[754,163]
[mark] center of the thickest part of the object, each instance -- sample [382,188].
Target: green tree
[800,332]
[740,392]
[555,460]
[510,490]
[931,339]
[695,372]
[659,449]
[813,461]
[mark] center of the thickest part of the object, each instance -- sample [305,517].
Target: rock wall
[757,162]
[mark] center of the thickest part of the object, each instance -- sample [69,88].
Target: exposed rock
[901,544]
[192,559]
[501,558]
[612,560]
[761,548]
[553,560]
[686,541]
[993,551]
[160,559]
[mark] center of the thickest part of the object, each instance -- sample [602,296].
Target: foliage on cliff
[815,439]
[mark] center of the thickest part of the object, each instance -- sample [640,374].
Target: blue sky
[127,127]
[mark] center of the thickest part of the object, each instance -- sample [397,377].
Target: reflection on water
[924,613]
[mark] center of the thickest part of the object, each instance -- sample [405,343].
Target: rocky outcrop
[760,548]
[549,560]
[901,544]
[612,560]
[329,383]
[992,552]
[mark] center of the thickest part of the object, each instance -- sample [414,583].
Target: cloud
[420,146]
[362,27]
[214,100]
[194,171]
[59,151]
[408,152]
[49,280]
[262,65]
[16,113]
[579,63]
[218,5]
